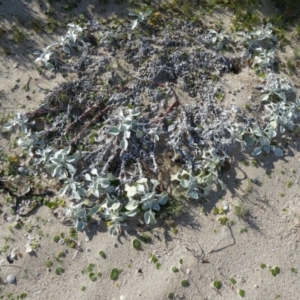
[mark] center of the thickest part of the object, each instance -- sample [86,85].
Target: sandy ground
[267,232]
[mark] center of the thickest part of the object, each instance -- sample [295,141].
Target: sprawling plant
[219,37]
[141,17]
[265,58]
[44,155]
[283,114]
[265,33]
[112,211]
[45,56]
[30,141]
[276,89]
[99,184]
[20,120]
[125,127]
[76,189]
[79,215]
[60,164]
[197,186]
[143,193]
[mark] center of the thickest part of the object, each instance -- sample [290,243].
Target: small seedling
[294,270]
[281,194]
[223,220]
[254,163]
[288,184]
[154,259]
[175,270]
[245,162]
[174,230]
[145,238]
[158,265]
[241,211]
[136,244]
[90,267]
[48,264]
[282,172]
[114,274]
[232,280]
[263,266]
[59,271]
[284,210]
[217,284]
[181,261]
[184,283]
[275,271]
[242,230]
[83,288]
[92,276]
[215,211]
[102,254]
[61,255]
[241,293]
[170,295]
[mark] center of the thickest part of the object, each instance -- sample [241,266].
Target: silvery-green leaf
[149,217]
[66,49]
[63,190]
[37,52]
[134,113]
[163,199]
[220,45]
[140,188]
[175,177]
[105,183]
[265,97]
[8,126]
[156,206]
[127,134]
[79,225]
[94,210]
[278,151]
[266,148]
[71,168]
[184,183]
[142,180]
[134,24]
[124,144]
[49,65]
[130,190]
[193,194]
[75,195]
[114,130]
[132,204]
[222,184]
[139,133]
[94,171]
[273,124]
[115,206]
[87,177]
[155,183]
[87,203]
[81,213]
[282,129]
[130,213]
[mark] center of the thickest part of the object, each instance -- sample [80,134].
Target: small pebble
[11,279]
